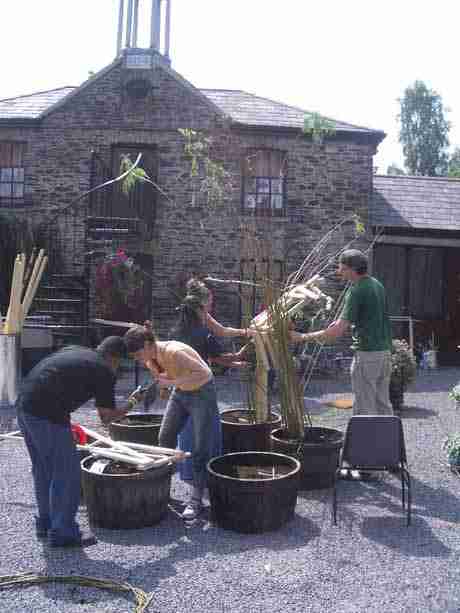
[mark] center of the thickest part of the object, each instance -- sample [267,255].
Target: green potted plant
[451,446]
[403,372]
[455,394]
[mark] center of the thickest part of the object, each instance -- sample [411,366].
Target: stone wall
[324,182]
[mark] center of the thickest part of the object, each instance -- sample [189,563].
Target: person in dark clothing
[192,329]
[53,389]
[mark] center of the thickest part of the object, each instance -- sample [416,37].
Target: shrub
[452,447]
[455,393]
[403,363]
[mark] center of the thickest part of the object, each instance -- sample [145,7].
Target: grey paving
[369,563]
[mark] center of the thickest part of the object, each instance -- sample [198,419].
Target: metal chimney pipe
[158,23]
[155,25]
[167,27]
[129,23]
[152,25]
[135,22]
[120,26]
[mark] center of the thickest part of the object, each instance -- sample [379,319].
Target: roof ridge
[417,177]
[221,89]
[45,91]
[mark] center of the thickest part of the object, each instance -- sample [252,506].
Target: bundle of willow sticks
[24,284]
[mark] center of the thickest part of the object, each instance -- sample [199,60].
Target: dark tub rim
[288,459]
[329,444]
[138,473]
[277,418]
[156,423]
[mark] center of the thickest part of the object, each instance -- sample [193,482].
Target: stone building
[281,189]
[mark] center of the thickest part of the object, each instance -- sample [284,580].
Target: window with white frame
[11,173]
[264,183]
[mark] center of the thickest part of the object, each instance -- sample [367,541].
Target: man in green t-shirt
[365,312]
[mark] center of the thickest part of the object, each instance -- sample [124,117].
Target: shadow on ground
[412,412]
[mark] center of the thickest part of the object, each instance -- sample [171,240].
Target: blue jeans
[201,407]
[185,443]
[56,474]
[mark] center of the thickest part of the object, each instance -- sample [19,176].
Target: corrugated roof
[31,106]
[240,106]
[416,202]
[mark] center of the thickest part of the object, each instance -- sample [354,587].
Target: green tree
[394,169]
[454,164]
[424,131]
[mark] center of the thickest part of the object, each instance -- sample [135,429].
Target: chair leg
[409,499]
[403,479]
[334,499]
[406,479]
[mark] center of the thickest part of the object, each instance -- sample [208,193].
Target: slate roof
[432,203]
[242,107]
[31,106]
[252,110]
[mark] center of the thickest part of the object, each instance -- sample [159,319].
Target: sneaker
[192,510]
[356,475]
[365,475]
[85,539]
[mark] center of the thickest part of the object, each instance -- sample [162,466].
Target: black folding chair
[375,443]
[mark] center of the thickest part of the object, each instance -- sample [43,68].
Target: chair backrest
[374,440]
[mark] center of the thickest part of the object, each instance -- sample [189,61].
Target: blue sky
[347,59]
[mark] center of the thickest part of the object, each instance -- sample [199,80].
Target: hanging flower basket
[119,285]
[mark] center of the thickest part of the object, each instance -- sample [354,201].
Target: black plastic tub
[240,434]
[123,501]
[319,455]
[253,492]
[142,428]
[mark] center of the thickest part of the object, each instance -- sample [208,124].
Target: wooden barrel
[253,492]
[319,455]
[141,428]
[239,433]
[122,501]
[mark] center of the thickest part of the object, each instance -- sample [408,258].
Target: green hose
[142,598]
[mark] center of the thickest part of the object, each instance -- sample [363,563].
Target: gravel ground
[370,562]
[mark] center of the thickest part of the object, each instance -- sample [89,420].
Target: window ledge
[282,220]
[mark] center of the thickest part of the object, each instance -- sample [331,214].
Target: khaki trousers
[370,382]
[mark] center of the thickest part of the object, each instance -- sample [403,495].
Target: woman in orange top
[174,364]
